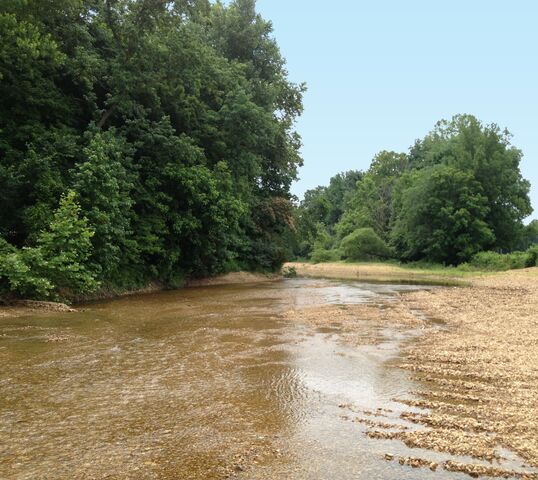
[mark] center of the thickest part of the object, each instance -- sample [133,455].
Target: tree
[63,249]
[440,214]
[322,209]
[459,190]
[529,236]
[104,182]
[371,204]
[173,121]
[31,109]
[486,153]
[339,193]
[57,265]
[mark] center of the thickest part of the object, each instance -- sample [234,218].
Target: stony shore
[479,370]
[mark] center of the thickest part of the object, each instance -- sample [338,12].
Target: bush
[320,255]
[494,261]
[365,244]
[532,257]
[18,278]
[57,264]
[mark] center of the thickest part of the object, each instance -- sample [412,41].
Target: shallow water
[200,384]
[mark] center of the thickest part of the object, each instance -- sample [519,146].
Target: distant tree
[529,236]
[531,232]
[440,214]
[322,208]
[338,194]
[371,204]
[458,191]
[486,153]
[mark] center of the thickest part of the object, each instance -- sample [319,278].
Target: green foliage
[364,244]
[457,192]
[371,203]
[172,121]
[485,153]
[104,182]
[320,255]
[529,236]
[493,261]
[323,206]
[18,278]
[63,249]
[323,249]
[441,215]
[532,257]
[56,266]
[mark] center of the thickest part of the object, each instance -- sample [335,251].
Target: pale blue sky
[381,73]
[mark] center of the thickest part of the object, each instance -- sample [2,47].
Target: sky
[381,73]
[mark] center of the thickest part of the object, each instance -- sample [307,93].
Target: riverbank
[384,272]
[21,308]
[480,373]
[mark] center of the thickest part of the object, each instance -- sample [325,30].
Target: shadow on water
[200,384]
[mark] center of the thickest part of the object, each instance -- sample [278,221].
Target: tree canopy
[456,192]
[171,122]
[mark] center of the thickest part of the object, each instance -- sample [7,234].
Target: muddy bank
[480,371]
[20,308]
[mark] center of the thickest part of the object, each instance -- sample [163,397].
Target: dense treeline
[457,192]
[141,140]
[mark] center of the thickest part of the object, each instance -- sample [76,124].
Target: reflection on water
[197,384]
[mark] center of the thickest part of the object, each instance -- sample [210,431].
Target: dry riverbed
[480,370]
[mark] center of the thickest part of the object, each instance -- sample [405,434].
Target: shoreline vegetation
[456,198]
[141,141]
[479,373]
[366,271]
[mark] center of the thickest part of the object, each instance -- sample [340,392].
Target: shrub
[63,249]
[56,264]
[18,278]
[494,261]
[531,259]
[320,255]
[365,244]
